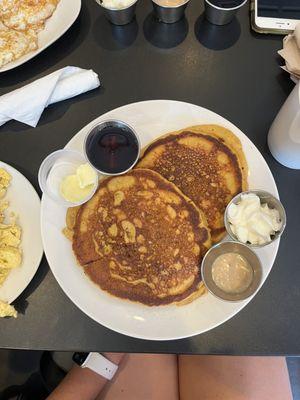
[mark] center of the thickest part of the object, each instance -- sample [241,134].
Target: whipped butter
[252,221]
[75,188]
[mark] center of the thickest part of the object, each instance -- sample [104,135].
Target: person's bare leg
[144,377]
[233,378]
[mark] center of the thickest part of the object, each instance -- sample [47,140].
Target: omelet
[27,14]
[14,44]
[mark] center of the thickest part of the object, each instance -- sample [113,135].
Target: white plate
[63,17]
[23,201]
[150,119]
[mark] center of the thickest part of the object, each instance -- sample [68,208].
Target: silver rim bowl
[265,197]
[231,247]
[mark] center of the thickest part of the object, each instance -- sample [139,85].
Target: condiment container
[231,247]
[220,12]
[169,13]
[112,147]
[119,16]
[271,201]
[55,168]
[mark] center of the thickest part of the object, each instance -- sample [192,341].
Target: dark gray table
[229,70]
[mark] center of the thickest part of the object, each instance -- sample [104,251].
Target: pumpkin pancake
[207,163]
[140,238]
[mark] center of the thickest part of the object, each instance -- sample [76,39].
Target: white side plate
[25,203]
[150,119]
[63,17]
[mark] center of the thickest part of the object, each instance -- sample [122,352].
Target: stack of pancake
[143,235]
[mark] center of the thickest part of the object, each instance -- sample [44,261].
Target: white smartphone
[276,15]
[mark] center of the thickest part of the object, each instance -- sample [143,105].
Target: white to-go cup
[284,134]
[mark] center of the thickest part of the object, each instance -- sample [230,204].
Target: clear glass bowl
[57,166]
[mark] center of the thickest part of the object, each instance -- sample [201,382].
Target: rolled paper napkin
[27,103]
[291,54]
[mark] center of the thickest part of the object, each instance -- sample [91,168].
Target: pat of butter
[252,222]
[86,175]
[75,188]
[6,310]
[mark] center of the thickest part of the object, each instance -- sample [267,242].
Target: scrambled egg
[10,257]
[5,179]
[6,310]
[3,207]
[3,275]
[10,239]
[10,235]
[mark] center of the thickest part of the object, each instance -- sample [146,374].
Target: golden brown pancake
[207,163]
[141,239]
[71,216]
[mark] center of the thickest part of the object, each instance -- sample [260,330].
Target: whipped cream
[252,221]
[115,4]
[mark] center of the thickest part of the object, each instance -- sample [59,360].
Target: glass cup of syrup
[112,147]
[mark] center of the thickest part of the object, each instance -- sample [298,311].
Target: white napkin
[291,54]
[27,103]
